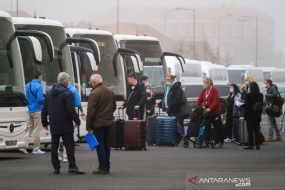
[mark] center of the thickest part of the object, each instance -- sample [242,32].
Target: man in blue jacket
[34,92]
[59,106]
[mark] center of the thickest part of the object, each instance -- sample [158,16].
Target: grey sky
[68,10]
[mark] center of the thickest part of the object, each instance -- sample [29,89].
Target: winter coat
[150,105]
[251,99]
[272,94]
[34,93]
[173,100]
[59,106]
[136,97]
[101,107]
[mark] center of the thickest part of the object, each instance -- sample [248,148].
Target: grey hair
[96,78]
[208,80]
[62,76]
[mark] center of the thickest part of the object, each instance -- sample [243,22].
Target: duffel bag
[273,110]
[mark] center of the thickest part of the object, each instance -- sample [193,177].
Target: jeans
[68,141]
[103,149]
[180,124]
[236,128]
[272,124]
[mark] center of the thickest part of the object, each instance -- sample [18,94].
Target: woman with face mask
[233,114]
[150,103]
[244,90]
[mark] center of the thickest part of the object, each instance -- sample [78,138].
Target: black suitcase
[116,139]
[151,130]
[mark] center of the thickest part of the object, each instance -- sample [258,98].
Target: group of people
[251,97]
[57,109]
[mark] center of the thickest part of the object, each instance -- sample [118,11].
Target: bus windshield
[236,76]
[11,77]
[49,69]
[151,53]
[107,48]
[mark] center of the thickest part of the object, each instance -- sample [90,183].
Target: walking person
[244,91]
[210,97]
[136,98]
[34,92]
[270,96]
[232,121]
[100,118]
[59,106]
[253,115]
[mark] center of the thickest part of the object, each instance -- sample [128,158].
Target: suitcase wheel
[186,144]
[200,145]
[213,144]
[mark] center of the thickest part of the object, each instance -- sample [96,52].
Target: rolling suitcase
[166,130]
[116,139]
[151,130]
[134,134]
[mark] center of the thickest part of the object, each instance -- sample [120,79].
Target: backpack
[224,105]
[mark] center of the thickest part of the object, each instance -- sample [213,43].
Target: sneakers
[65,160]
[228,140]
[277,139]
[39,152]
[59,158]
[269,139]
[75,170]
[99,171]
[23,150]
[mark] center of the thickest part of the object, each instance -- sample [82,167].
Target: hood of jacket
[58,89]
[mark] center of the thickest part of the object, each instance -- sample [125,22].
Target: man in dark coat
[136,98]
[100,118]
[270,96]
[59,106]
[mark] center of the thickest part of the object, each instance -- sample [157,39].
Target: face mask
[204,86]
[246,83]
[146,83]
[168,83]
[231,90]
[148,91]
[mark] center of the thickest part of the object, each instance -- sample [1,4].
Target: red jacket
[213,101]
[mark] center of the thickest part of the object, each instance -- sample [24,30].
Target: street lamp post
[194,47]
[256,36]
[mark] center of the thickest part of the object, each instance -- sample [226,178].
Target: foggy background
[222,34]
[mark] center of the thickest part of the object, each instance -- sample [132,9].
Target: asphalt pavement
[156,168]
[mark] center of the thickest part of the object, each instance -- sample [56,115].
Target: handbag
[257,106]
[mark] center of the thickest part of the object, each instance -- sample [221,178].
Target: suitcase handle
[138,112]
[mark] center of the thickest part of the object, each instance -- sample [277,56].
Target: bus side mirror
[179,57]
[35,46]
[46,38]
[92,61]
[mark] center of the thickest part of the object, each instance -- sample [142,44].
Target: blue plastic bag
[92,141]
